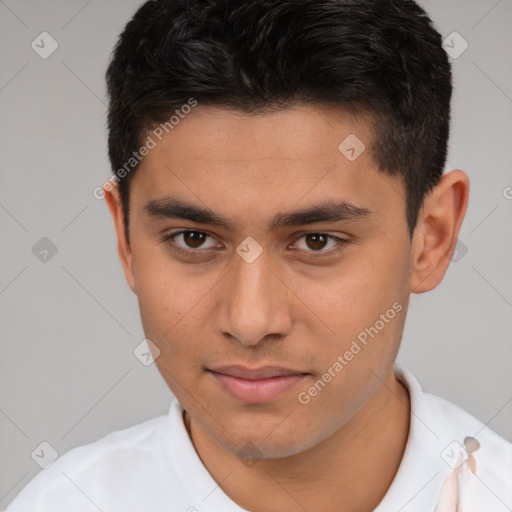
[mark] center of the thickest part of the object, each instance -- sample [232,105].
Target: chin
[257,447]
[266,442]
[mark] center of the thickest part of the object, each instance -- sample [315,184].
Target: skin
[286,308]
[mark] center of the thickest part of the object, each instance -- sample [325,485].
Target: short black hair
[376,57]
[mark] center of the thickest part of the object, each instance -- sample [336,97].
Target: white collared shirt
[153,467]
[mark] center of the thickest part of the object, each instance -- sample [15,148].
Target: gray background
[69,325]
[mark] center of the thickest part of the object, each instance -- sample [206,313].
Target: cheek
[363,303]
[355,296]
[162,293]
[174,303]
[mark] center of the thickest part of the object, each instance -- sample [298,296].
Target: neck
[350,471]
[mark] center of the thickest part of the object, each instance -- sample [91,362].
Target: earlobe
[113,200]
[437,229]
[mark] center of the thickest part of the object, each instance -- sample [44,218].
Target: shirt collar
[422,470]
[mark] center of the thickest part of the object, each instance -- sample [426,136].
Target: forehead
[278,134]
[247,163]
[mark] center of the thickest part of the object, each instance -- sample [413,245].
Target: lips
[265,372]
[259,385]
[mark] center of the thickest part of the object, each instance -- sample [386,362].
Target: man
[278,194]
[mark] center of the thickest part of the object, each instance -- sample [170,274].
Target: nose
[254,302]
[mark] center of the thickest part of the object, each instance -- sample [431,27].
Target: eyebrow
[327,211]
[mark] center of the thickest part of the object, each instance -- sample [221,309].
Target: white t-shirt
[153,467]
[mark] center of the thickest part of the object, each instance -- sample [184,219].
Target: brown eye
[317,245]
[316,241]
[194,239]
[189,240]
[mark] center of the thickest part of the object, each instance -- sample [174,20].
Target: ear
[438,226]
[115,206]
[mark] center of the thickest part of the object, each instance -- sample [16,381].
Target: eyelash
[169,239]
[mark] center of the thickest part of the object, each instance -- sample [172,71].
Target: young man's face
[299,304]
